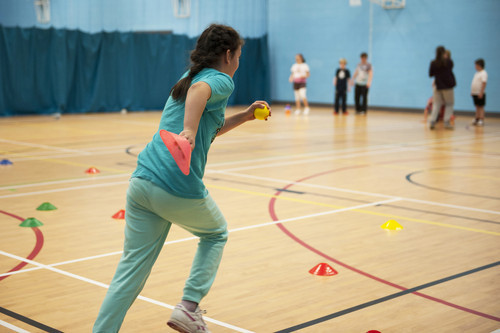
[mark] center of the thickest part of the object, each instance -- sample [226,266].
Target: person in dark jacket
[441,69]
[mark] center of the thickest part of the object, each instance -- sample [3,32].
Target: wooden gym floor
[297,191]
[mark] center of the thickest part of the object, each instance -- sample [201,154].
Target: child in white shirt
[477,91]
[300,73]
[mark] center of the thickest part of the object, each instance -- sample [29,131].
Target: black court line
[409,179]
[29,321]
[386,298]
[128,151]
[289,191]
[355,200]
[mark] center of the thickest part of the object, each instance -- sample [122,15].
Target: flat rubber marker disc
[180,149]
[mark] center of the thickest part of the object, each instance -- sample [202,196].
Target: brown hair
[440,52]
[210,46]
[480,62]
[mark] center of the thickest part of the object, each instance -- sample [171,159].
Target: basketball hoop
[386,4]
[42,9]
[182,8]
[390,4]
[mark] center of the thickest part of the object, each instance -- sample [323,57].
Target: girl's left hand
[256,105]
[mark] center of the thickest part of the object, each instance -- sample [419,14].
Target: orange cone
[92,170]
[323,270]
[120,215]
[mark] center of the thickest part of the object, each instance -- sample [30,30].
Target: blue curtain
[57,70]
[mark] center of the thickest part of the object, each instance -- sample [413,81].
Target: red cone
[179,148]
[92,170]
[323,270]
[120,215]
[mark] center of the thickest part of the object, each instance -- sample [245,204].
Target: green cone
[46,206]
[31,222]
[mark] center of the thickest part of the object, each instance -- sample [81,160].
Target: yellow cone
[391,225]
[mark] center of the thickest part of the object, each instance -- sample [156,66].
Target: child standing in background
[300,73]
[477,91]
[363,76]
[340,81]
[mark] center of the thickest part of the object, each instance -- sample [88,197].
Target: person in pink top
[300,73]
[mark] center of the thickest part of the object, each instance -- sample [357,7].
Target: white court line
[319,159]
[90,258]
[45,157]
[64,181]
[42,146]
[127,174]
[103,285]
[327,152]
[303,217]
[339,210]
[284,181]
[82,187]
[402,146]
[49,267]
[12,327]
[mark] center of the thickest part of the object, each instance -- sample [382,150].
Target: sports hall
[356,222]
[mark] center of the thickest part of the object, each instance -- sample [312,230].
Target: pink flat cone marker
[180,149]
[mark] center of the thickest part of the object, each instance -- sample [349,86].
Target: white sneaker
[306,111]
[479,123]
[297,111]
[186,321]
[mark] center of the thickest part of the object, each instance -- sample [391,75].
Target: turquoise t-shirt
[156,164]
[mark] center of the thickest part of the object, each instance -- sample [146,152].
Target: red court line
[34,252]
[272,212]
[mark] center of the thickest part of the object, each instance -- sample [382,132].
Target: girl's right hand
[190,136]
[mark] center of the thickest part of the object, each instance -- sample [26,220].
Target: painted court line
[91,257]
[31,157]
[318,153]
[391,148]
[15,195]
[12,327]
[319,159]
[316,214]
[413,290]
[388,147]
[387,215]
[339,189]
[35,145]
[64,181]
[28,321]
[103,285]
[230,231]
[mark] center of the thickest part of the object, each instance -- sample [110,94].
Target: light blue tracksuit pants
[149,213]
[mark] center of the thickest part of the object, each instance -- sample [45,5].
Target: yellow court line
[81,164]
[444,225]
[274,196]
